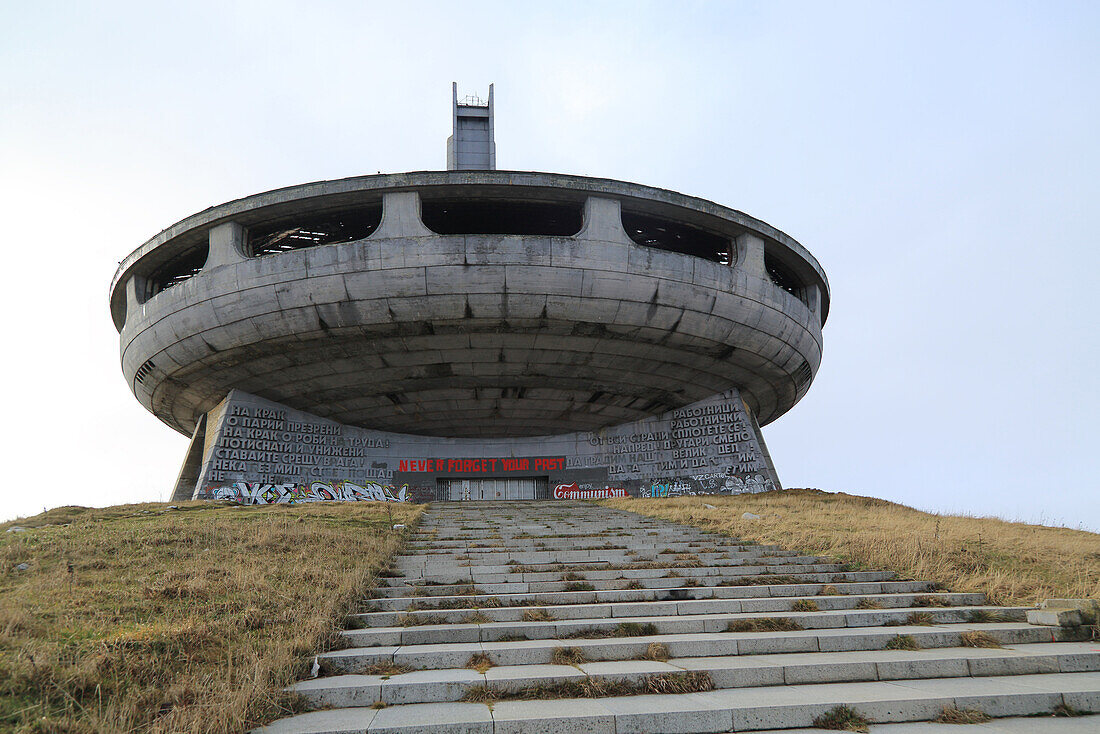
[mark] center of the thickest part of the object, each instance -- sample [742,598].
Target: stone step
[490,574]
[398,587]
[603,624]
[581,546]
[647,605]
[397,603]
[444,549]
[522,548]
[474,574]
[667,608]
[429,534]
[506,562]
[1086,724]
[451,685]
[456,654]
[553,572]
[714,574]
[720,710]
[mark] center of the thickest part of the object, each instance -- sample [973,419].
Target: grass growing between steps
[764,624]
[952,715]
[1012,563]
[589,687]
[903,642]
[140,619]
[842,718]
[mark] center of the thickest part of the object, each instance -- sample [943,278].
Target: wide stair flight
[558,616]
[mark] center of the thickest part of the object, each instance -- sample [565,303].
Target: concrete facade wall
[471,335]
[261,452]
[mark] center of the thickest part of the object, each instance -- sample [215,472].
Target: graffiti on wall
[576,492]
[264,493]
[704,484]
[673,488]
[710,448]
[750,485]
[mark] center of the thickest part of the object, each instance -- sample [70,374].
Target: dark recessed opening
[675,237]
[784,277]
[802,375]
[144,371]
[180,268]
[501,217]
[314,231]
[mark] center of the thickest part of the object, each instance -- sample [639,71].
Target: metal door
[512,488]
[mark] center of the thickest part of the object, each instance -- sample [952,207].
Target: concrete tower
[472,146]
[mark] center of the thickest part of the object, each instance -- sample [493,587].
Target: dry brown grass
[138,619]
[420,620]
[588,687]
[842,718]
[386,670]
[903,642]
[537,615]
[952,715]
[568,656]
[764,624]
[978,638]
[480,662]
[1012,563]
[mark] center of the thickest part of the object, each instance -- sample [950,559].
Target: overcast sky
[940,160]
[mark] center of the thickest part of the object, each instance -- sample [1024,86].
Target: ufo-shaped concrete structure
[471,315]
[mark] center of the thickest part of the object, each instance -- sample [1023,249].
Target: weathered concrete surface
[470,335]
[289,201]
[1065,612]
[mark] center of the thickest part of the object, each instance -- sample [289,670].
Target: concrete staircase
[563,617]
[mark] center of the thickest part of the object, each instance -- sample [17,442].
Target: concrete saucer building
[470,334]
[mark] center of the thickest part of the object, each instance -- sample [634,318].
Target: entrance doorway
[511,488]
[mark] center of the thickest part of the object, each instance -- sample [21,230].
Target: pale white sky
[939,159]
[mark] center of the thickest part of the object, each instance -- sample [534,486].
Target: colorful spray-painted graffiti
[674,488]
[263,493]
[705,484]
[575,492]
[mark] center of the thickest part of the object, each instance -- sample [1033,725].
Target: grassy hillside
[141,619]
[1013,563]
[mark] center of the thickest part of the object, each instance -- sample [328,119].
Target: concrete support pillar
[401,217]
[813,299]
[773,475]
[135,295]
[188,478]
[750,255]
[603,220]
[228,245]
